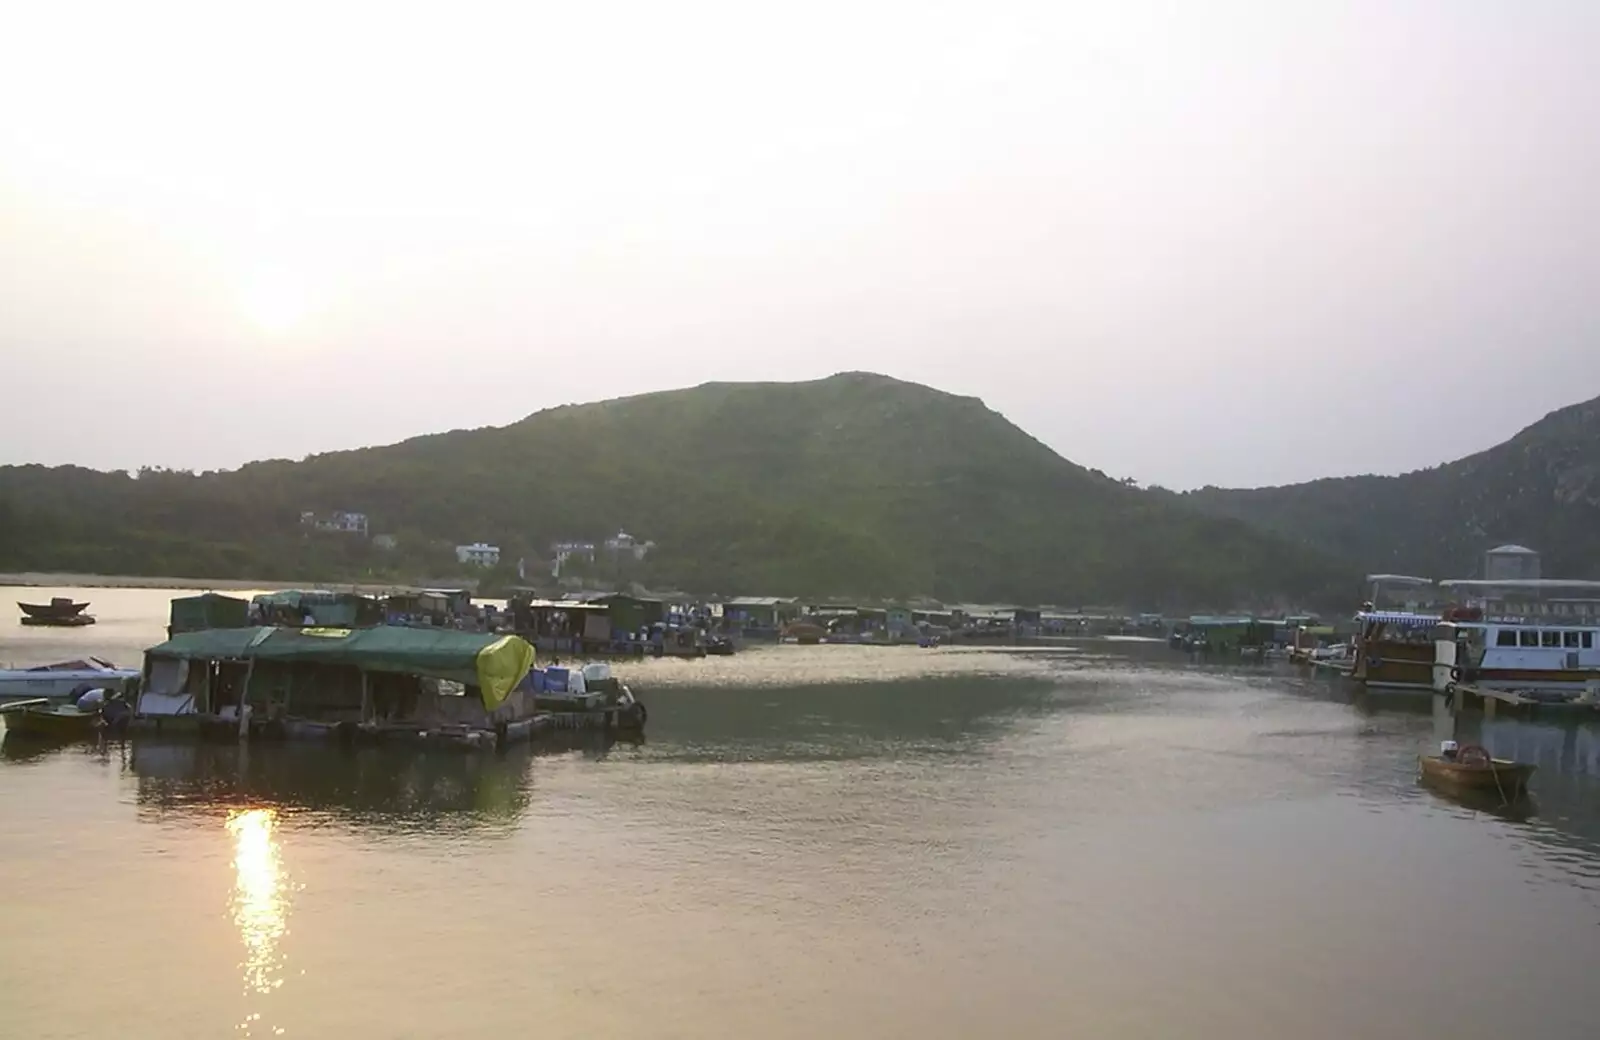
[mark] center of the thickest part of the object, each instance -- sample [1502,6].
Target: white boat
[57,681]
[1525,655]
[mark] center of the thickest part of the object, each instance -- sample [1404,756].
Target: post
[243,704]
[244,691]
[366,697]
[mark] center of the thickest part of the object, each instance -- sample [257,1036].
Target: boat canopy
[1409,580]
[1398,618]
[1519,584]
[493,663]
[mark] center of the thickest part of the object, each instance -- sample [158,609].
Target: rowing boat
[1472,769]
[40,718]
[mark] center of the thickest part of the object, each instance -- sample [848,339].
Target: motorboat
[58,681]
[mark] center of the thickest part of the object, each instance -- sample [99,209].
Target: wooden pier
[1493,701]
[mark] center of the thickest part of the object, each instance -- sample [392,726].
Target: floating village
[432,667]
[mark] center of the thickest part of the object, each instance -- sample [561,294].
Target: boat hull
[52,723]
[70,621]
[1500,775]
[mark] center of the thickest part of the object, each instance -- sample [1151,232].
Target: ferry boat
[1526,655]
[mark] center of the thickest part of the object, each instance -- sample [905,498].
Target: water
[1093,843]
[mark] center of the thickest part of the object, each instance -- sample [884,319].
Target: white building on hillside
[623,542]
[478,554]
[348,523]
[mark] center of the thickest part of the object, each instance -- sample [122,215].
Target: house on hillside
[624,544]
[478,554]
[561,552]
[339,521]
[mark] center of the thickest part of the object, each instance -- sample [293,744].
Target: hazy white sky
[1191,242]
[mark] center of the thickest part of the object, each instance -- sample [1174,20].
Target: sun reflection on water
[260,901]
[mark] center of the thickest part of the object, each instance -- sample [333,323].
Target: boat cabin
[1394,650]
[1531,654]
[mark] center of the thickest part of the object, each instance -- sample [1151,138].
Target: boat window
[1549,638]
[1588,640]
[1506,637]
[1569,640]
[1529,637]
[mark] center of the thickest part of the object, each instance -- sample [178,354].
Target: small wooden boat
[1473,769]
[40,718]
[60,611]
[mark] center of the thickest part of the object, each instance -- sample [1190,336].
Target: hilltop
[856,485]
[1540,488]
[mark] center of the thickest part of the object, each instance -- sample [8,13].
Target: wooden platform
[1492,700]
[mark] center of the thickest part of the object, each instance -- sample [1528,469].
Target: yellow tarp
[501,666]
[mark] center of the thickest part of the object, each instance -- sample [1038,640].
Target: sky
[1233,243]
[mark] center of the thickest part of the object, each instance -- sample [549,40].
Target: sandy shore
[124,581]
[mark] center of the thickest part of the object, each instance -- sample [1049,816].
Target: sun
[274,302]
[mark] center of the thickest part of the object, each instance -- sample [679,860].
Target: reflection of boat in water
[61,679]
[1473,769]
[387,788]
[60,611]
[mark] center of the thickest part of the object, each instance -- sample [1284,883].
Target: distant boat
[60,611]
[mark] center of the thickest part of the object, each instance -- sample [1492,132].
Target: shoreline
[55,579]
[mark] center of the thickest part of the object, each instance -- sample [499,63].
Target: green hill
[855,485]
[1540,488]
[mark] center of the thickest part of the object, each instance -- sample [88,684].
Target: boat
[1533,656]
[1394,650]
[61,679]
[40,718]
[1473,769]
[60,611]
[806,633]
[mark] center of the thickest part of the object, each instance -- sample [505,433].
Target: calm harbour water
[843,841]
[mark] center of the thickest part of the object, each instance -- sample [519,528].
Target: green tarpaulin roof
[436,653]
